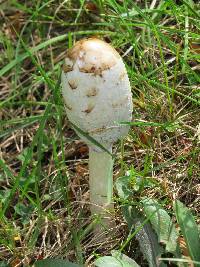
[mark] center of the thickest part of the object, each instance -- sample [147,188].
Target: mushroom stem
[101,183]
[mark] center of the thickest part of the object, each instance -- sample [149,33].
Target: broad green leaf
[149,245]
[189,229]
[146,237]
[24,211]
[109,261]
[4,264]
[123,187]
[162,224]
[55,263]
[3,196]
[117,260]
[132,182]
[118,255]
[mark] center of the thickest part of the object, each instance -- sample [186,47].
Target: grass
[43,164]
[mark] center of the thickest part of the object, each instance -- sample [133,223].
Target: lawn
[44,191]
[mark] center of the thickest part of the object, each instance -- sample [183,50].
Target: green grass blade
[90,138]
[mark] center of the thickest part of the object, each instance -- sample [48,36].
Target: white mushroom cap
[97,91]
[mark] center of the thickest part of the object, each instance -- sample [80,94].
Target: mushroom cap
[97,91]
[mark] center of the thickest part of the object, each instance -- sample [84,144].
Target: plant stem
[100,182]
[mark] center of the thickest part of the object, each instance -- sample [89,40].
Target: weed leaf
[123,187]
[4,264]
[116,260]
[189,229]
[55,263]
[162,224]
[146,237]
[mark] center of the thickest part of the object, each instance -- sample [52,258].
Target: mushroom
[97,95]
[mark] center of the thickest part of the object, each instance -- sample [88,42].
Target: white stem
[100,182]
